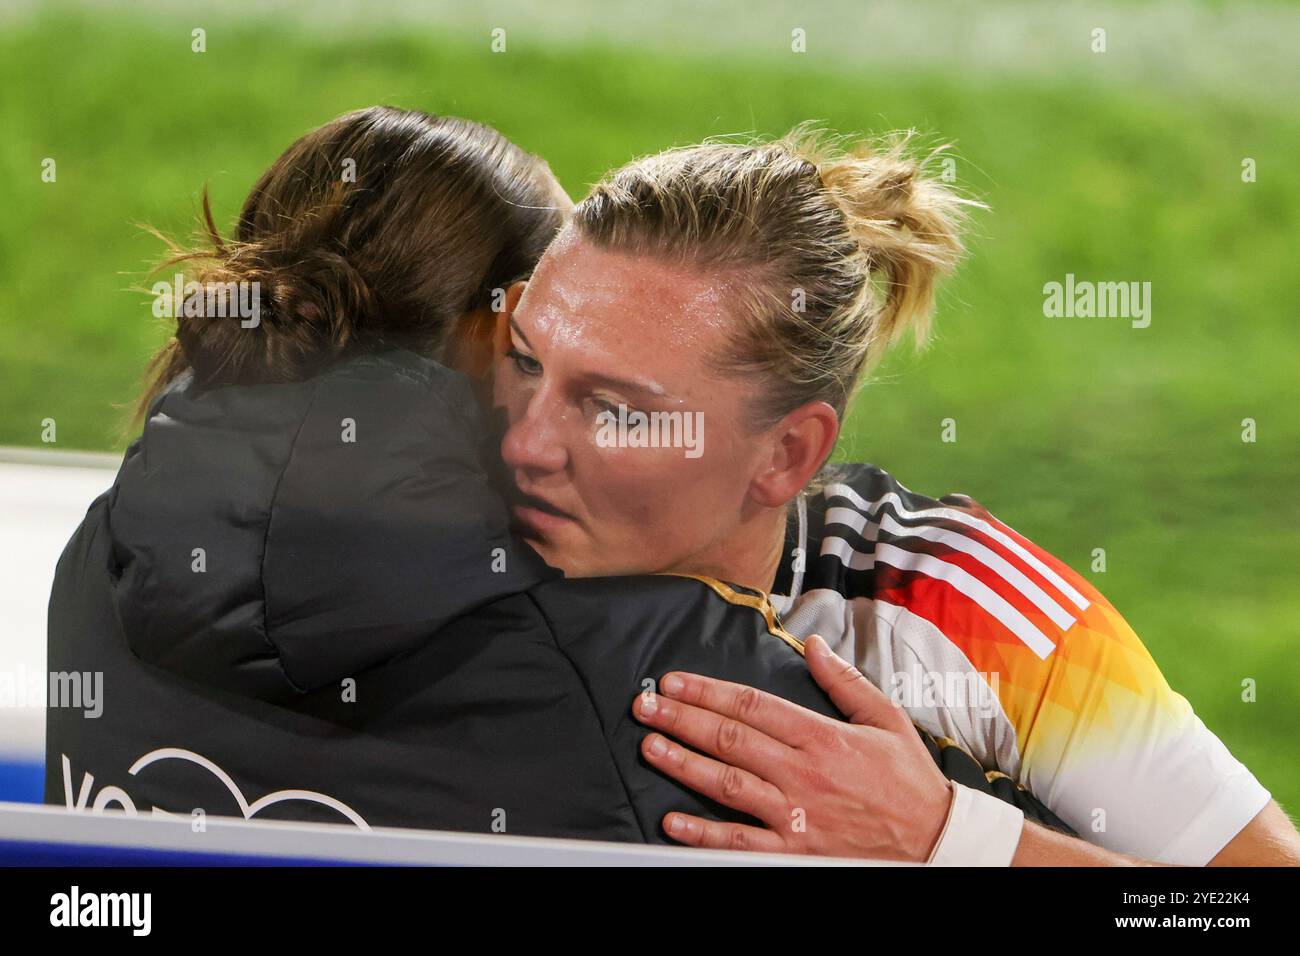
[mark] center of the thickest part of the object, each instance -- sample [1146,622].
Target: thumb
[856,697]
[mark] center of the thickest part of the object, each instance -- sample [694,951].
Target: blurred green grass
[1082,433]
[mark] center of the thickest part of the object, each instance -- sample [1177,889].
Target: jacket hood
[273,539]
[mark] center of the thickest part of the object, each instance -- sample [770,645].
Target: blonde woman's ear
[800,444]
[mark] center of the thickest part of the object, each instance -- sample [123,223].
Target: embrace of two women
[368,562]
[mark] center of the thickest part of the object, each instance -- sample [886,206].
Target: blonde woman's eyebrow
[514,327]
[600,378]
[653,389]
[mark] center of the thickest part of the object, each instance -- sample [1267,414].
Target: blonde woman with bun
[749,289]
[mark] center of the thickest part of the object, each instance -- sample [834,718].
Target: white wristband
[981,830]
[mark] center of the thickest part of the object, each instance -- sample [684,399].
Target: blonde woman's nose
[532,443]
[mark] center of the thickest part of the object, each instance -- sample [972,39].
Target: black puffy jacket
[306,604]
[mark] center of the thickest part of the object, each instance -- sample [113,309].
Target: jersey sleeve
[1062,695]
[1103,738]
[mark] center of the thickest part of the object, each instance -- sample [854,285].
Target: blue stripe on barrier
[22,781]
[21,853]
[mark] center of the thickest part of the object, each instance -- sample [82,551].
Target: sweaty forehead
[622,304]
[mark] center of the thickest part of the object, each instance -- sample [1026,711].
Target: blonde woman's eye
[601,405]
[526,364]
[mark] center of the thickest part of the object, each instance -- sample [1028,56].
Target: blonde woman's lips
[541,517]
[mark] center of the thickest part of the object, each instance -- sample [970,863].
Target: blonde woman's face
[625,444]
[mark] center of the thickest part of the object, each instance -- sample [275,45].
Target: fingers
[712,834]
[725,784]
[727,739]
[767,714]
[855,696]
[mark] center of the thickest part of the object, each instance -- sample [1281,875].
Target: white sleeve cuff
[981,830]
[1237,800]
